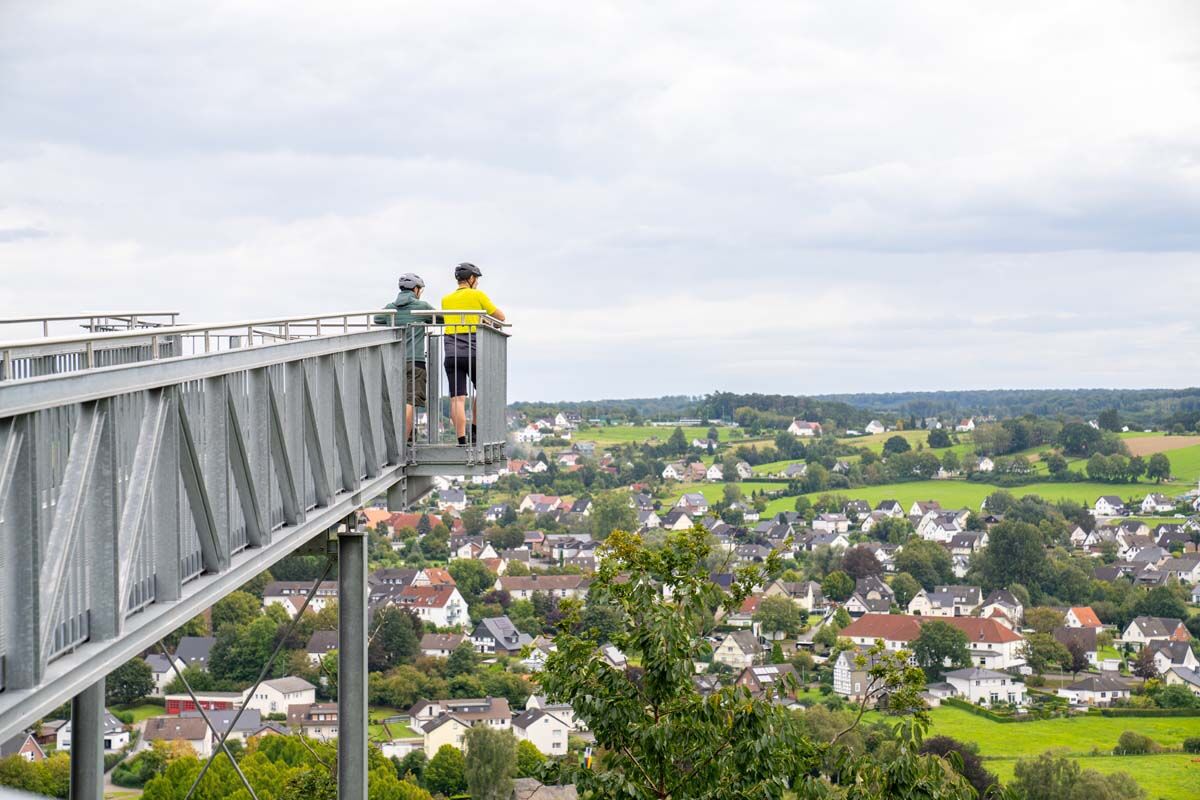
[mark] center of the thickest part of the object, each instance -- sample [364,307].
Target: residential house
[23,744]
[946,601]
[1185,568]
[455,499]
[965,426]
[498,635]
[744,471]
[795,471]
[1095,690]
[985,687]
[192,731]
[831,523]
[851,675]
[834,541]
[277,695]
[648,519]
[673,472]
[677,519]
[115,735]
[890,507]
[992,644]
[1143,630]
[1082,617]
[1155,503]
[806,594]
[804,428]
[715,473]
[315,720]
[1078,537]
[920,508]
[1109,505]
[441,645]
[163,672]
[321,644]
[194,651]
[291,595]
[985,464]
[543,729]
[1182,676]
[1169,654]
[247,724]
[540,503]
[693,502]
[1084,637]
[739,650]
[524,587]
[1005,602]
[874,426]
[561,710]
[442,605]
[769,680]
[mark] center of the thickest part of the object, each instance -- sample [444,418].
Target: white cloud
[666,197]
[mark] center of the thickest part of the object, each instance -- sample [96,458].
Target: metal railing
[98,321]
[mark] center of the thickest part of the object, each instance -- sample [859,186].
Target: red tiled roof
[428,596]
[1087,618]
[904,628]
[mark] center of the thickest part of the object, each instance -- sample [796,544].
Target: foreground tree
[1051,777]
[491,761]
[656,737]
[444,774]
[971,764]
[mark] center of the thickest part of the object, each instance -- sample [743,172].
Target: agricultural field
[1171,776]
[625,434]
[875,441]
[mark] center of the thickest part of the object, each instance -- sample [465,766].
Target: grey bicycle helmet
[410,281]
[465,270]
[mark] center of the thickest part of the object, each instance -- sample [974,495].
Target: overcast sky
[666,198]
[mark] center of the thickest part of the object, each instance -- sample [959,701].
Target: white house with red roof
[442,604]
[992,644]
[801,427]
[1082,617]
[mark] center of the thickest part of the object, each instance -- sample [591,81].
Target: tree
[1078,656]
[1015,554]
[1144,666]
[940,644]
[1056,463]
[1109,420]
[474,520]
[1042,651]
[236,608]
[1136,468]
[462,661]
[445,772]
[471,577]
[894,530]
[926,561]
[1055,777]
[412,764]
[972,765]
[490,763]
[612,511]
[896,445]
[837,586]
[529,759]
[395,640]
[656,737]
[906,588]
[778,614]
[951,462]
[1161,601]
[677,444]
[859,562]
[128,683]
[1076,438]
[938,437]
[1158,468]
[239,652]
[1044,619]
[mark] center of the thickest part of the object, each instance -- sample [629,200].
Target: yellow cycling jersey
[465,299]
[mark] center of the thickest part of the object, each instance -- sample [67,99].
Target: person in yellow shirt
[460,360]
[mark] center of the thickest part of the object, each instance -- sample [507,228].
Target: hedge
[954,702]
[1146,712]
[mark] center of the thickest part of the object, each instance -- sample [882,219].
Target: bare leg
[458,415]
[408,421]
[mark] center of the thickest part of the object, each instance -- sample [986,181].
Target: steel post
[352,664]
[87,743]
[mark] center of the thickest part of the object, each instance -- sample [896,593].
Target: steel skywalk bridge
[148,471]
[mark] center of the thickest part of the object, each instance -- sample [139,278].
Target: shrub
[1191,744]
[1133,743]
[124,716]
[1035,681]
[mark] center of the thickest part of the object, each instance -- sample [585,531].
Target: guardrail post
[352,663]
[87,743]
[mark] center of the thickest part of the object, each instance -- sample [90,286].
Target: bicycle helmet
[465,270]
[410,281]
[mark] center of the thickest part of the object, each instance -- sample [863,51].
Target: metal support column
[87,743]
[352,663]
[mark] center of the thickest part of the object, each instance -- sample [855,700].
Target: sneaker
[462,441]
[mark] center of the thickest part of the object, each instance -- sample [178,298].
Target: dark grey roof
[194,650]
[250,720]
[322,642]
[1098,683]
[502,631]
[1153,627]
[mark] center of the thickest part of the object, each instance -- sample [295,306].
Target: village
[1014,607]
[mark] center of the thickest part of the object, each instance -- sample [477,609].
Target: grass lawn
[1185,463]
[875,441]
[376,730]
[142,712]
[1076,735]
[1170,776]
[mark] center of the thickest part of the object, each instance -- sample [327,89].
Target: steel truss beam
[134,497]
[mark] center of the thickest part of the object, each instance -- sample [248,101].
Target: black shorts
[458,370]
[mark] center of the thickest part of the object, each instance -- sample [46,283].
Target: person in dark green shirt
[400,314]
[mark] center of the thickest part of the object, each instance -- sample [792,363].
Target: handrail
[99,315]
